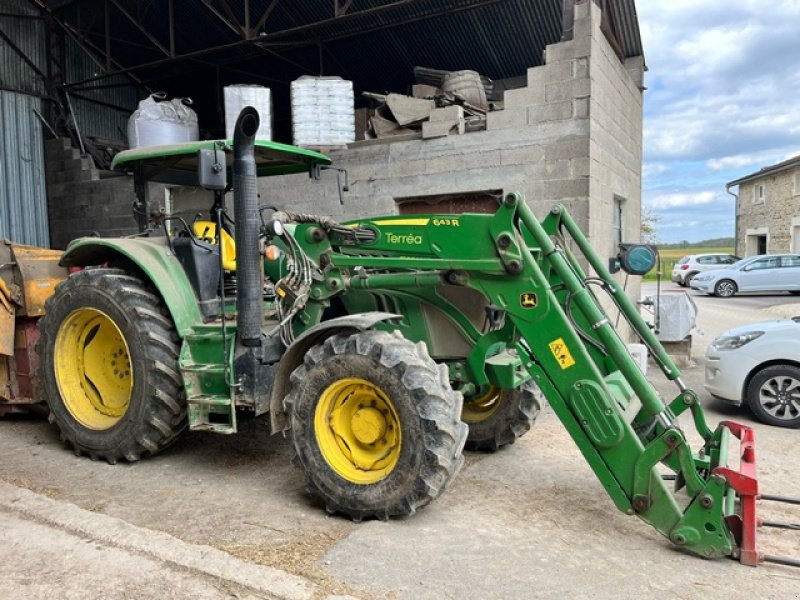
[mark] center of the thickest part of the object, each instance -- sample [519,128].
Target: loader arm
[556,332]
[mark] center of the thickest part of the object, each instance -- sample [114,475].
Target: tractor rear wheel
[497,417]
[375,425]
[109,366]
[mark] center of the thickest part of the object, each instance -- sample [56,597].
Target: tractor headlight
[732,342]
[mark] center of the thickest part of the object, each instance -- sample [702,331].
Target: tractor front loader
[380,347]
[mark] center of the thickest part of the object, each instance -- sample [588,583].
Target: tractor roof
[177,163]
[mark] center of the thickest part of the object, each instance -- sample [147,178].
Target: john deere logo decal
[528,300]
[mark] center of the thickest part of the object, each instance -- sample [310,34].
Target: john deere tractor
[381,346]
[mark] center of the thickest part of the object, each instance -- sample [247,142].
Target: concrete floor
[228,517]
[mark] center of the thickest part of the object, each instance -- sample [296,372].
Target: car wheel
[774,395]
[681,283]
[688,279]
[725,288]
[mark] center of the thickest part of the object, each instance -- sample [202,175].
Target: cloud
[723,85]
[681,199]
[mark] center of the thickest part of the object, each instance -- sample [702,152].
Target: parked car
[689,266]
[766,273]
[759,365]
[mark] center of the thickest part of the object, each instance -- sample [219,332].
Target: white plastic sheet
[257,96]
[323,111]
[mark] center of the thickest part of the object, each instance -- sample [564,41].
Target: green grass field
[669,256]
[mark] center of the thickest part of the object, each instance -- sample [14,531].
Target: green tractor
[382,346]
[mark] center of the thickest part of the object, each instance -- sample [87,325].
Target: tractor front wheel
[498,417]
[375,425]
[109,366]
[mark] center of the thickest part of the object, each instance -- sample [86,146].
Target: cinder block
[567,90]
[506,119]
[582,9]
[580,67]
[580,167]
[568,50]
[524,97]
[553,111]
[581,108]
[522,155]
[436,129]
[572,148]
[558,169]
[447,113]
[557,189]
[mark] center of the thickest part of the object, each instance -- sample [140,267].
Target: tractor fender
[294,354]
[156,263]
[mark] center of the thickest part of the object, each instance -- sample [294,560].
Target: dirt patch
[304,557]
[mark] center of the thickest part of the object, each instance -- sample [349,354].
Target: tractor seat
[207,232]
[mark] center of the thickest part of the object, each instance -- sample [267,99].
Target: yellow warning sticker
[562,353]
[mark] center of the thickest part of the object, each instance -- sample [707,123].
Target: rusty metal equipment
[28,277]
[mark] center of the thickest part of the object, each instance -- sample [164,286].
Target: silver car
[689,266]
[766,273]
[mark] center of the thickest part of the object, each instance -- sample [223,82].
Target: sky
[723,100]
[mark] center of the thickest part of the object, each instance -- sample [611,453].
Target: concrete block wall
[572,135]
[80,202]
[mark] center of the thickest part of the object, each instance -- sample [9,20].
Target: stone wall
[777,217]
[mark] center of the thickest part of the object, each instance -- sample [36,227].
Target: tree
[650,222]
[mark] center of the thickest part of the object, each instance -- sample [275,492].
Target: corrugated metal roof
[23,202]
[629,28]
[377,51]
[97,120]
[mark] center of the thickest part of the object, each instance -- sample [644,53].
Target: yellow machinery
[28,277]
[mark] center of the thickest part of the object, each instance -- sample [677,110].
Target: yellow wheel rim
[93,368]
[483,406]
[357,430]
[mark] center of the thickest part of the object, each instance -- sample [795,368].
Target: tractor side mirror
[211,171]
[342,183]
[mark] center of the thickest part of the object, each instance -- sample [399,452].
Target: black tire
[794,292]
[503,424]
[774,395]
[155,410]
[424,406]
[725,288]
[687,281]
[681,283]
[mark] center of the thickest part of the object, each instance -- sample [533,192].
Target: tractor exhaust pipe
[249,273]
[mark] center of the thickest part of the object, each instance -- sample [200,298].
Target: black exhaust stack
[249,271]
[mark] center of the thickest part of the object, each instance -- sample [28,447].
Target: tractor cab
[208,165]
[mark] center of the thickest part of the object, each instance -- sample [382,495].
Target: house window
[616,220]
[796,186]
[759,193]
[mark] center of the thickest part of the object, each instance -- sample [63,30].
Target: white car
[688,266]
[766,273]
[759,365]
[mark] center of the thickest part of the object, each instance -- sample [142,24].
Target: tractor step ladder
[204,368]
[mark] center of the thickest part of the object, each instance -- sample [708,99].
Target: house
[768,209]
